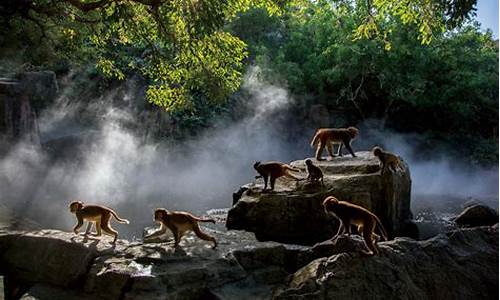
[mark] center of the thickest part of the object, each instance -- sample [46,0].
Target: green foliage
[180,45]
[448,88]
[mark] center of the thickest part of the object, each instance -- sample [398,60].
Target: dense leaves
[447,90]
[180,45]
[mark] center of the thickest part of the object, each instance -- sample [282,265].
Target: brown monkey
[348,214]
[101,215]
[274,170]
[326,137]
[314,173]
[388,160]
[179,222]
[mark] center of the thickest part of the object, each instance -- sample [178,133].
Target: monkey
[349,213]
[314,173]
[101,215]
[326,137]
[389,161]
[274,170]
[179,222]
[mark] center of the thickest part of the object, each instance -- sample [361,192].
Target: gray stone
[461,264]
[293,212]
[50,264]
[477,215]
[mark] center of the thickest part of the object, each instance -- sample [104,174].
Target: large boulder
[50,264]
[461,264]
[293,212]
[477,215]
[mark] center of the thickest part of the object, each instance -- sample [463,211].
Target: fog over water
[116,167]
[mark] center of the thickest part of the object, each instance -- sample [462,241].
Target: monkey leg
[319,150]
[204,236]
[107,228]
[177,236]
[348,228]
[272,181]
[329,148]
[265,182]
[339,151]
[89,227]
[98,228]
[368,237]
[348,146]
[341,229]
[78,225]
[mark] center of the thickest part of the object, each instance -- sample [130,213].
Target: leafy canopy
[181,46]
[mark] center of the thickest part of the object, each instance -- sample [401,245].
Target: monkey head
[256,164]
[160,214]
[75,205]
[377,151]
[308,162]
[353,132]
[330,203]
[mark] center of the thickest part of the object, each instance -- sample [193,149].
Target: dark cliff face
[19,98]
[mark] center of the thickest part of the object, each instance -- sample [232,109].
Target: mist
[116,166]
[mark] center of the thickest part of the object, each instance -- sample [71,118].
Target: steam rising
[115,167]
[118,169]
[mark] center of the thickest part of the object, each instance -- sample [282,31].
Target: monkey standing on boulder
[179,222]
[101,215]
[325,137]
[388,160]
[348,214]
[314,173]
[274,170]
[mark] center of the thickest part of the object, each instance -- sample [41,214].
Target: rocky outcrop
[293,213]
[461,264]
[477,215]
[50,264]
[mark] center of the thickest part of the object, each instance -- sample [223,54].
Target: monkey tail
[204,220]
[125,221]
[381,228]
[315,139]
[291,168]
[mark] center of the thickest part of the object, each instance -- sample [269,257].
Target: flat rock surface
[50,264]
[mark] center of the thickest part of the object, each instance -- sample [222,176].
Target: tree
[181,45]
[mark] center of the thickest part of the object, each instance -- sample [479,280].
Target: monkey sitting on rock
[98,214]
[314,173]
[179,222]
[388,160]
[349,213]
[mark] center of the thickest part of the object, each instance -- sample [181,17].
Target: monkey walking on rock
[349,213]
[100,215]
[326,137]
[273,170]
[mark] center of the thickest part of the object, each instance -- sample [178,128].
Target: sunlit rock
[461,264]
[293,212]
